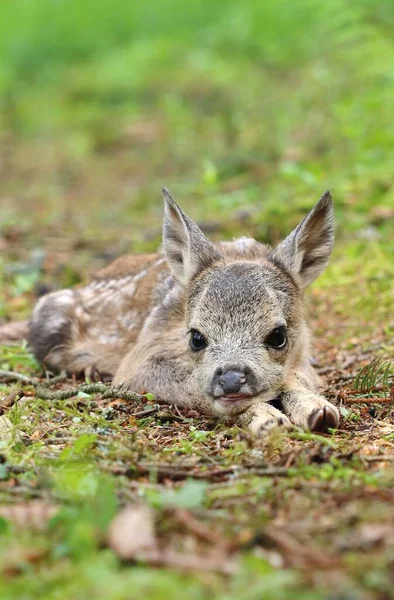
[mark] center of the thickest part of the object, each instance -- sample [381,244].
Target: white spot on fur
[54,323]
[64,298]
[244,244]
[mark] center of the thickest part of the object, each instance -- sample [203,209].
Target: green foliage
[17,358]
[378,372]
[190,495]
[80,447]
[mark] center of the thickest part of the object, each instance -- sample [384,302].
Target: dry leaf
[33,515]
[132,532]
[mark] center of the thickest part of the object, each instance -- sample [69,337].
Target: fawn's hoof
[324,418]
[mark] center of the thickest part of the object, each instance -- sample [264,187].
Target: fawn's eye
[197,341]
[277,338]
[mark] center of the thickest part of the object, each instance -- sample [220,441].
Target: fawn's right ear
[187,250]
[305,252]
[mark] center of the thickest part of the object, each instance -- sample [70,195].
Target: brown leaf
[33,515]
[132,532]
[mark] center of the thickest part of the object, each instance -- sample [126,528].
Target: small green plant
[376,376]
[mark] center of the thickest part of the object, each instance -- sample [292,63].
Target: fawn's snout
[233,381]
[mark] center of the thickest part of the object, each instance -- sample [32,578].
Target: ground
[247,115]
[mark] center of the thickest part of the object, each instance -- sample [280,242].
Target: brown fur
[133,322]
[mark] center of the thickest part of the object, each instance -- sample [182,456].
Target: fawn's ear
[305,252]
[187,250]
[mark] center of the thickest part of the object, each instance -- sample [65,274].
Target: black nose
[232,381]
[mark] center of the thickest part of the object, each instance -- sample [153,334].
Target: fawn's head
[245,321]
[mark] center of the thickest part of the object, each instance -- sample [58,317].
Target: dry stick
[297,553]
[381,458]
[146,413]
[340,378]
[61,377]
[368,400]
[375,388]
[12,375]
[18,377]
[44,393]
[199,529]
[177,473]
[107,391]
[187,562]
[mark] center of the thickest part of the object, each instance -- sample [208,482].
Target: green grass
[247,112]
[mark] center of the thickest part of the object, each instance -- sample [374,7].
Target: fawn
[219,328]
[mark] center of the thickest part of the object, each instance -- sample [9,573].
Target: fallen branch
[171,559]
[146,413]
[375,388]
[368,400]
[107,391]
[381,458]
[178,473]
[13,376]
[204,532]
[297,553]
[49,382]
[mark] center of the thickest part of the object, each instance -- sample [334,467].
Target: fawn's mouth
[239,402]
[231,399]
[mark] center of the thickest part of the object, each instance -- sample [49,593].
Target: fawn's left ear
[305,252]
[187,250]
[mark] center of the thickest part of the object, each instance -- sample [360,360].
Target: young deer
[219,328]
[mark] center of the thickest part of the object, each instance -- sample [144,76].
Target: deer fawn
[219,328]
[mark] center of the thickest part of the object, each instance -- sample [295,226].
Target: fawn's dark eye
[197,341]
[277,338]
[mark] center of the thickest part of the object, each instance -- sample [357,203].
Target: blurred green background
[246,111]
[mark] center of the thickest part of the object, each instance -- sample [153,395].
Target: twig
[53,380]
[204,532]
[381,458]
[189,562]
[297,553]
[368,400]
[176,473]
[17,377]
[146,413]
[107,391]
[43,391]
[340,378]
[375,388]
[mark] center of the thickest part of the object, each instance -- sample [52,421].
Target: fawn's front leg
[301,406]
[308,409]
[261,418]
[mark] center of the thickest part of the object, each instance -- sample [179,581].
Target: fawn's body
[218,328]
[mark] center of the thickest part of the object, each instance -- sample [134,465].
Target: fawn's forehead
[242,289]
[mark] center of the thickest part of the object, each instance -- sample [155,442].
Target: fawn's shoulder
[128,266]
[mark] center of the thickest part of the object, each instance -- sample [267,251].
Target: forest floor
[89,136]
[211,508]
